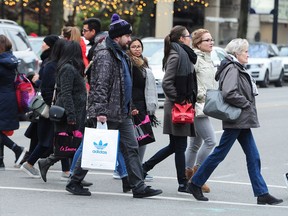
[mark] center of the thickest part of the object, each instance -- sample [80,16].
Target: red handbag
[183,113]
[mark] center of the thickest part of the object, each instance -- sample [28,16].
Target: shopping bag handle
[101,125]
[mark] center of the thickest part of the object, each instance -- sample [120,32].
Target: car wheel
[265,82]
[279,82]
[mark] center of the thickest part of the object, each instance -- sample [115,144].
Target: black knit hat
[118,27]
[50,40]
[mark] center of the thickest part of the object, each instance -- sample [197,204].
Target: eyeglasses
[135,47]
[85,30]
[208,40]
[187,36]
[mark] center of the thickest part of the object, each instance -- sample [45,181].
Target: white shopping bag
[99,148]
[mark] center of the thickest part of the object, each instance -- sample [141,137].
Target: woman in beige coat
[179,85]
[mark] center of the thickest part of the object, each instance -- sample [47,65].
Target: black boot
[125,184]
[76,189]
[196,192]
[268,199]
[44,165]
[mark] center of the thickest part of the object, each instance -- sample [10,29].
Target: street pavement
[231,193]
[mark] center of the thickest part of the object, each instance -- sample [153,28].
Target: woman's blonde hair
[197,36]
[71,33]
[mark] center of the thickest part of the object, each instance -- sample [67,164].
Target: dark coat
[72,95]
[169,89]
[106,96]
[237,90]
[8,103]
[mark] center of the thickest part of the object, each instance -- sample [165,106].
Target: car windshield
[156,58]
[258,51]
[151,47]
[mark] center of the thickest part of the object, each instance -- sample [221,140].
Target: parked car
[264,64]
[28,61]
[154,52]
[36,44]
[283,53]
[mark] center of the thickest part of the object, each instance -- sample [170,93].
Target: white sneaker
[31,171]
[65,176]
[286,179]
[116,175]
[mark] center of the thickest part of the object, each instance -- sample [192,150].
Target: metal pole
[22,13]
[2,9]
[275,22]
[40,18]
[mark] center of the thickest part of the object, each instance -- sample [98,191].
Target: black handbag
[56,113]
[66,146]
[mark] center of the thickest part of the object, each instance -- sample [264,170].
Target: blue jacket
[8,104]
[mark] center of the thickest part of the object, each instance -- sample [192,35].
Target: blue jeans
[76,157]
[246,140]
[178,146]
[120,165]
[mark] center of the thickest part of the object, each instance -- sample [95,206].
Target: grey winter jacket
[237,90]
[106,96]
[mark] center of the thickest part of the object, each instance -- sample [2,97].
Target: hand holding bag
[183,113]
[100,147]
[217,108]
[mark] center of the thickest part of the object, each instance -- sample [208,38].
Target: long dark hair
[57,50]
[174,36]
[72,54]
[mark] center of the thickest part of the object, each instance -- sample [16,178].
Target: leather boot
[44,165]
[125,185]
[205,188]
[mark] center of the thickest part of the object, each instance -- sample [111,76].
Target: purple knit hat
[119,27]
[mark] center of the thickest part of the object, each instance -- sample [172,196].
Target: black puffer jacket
[106,96]
[237,90]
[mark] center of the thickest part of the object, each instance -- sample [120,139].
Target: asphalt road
[231,192]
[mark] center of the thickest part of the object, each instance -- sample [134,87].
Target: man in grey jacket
[109,101]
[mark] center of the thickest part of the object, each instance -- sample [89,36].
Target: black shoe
[268,199]
[147,192]
[25,158]
[196,192]
[125,185]
[19,154]
[77,189]
[43,168]
[85,183]
[183,189]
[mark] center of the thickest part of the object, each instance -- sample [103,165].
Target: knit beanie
[50,40]
[118,27]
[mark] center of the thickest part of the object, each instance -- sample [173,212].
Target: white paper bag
[99,149]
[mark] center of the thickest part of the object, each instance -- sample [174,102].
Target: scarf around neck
[184,74]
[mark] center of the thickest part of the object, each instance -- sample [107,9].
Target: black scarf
[185,77]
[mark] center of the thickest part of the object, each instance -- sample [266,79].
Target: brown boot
[205,188]
[189,173]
